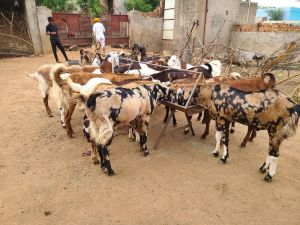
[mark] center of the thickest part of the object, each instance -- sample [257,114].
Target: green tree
[94,5]
[141,5]
[57,5]
[275,14]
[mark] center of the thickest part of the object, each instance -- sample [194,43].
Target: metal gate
[116,29]
[74,28]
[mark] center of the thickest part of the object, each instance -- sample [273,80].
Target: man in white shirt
[98,31]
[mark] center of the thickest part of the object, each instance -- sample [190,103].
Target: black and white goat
[121,106]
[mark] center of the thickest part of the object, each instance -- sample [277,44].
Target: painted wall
[290,13]
[260,41]
[145,30]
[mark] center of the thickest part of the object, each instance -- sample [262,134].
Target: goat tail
[55,73]
[33,75]
[290,126]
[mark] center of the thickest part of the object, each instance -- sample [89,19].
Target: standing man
[52,30]
[98,31]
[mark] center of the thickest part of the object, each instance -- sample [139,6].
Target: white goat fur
[144,71]
[175,63]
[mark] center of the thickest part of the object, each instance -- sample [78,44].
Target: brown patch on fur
[251,84]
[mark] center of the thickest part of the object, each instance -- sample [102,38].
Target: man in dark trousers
[52,30]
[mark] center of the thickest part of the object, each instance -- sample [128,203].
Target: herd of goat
[122,90]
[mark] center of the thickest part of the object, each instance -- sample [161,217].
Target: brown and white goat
[42,75]
[264,110]
[66,94]
[121,105]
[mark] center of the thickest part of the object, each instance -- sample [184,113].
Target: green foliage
[275,14]
[93,5]
[141,5]
[57,5]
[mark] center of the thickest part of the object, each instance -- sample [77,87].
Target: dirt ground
[44,179]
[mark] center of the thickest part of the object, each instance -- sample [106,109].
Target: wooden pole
[279,82]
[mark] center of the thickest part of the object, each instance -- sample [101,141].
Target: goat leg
[48,110]
[69,129]
[167,114]
[225,142]
[207,119]
[174,120]
[271,162]
[142,130]
[246,138]
[253,135]
[94,153]
[143,144]
[199,116]
[232,129]
[105,161]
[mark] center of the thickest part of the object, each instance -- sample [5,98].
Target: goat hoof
[174,125]
[223,161]
[104,169]
[165,120]
[111,173]
[96,162]
[50,115]
[250,140]
[243,145]
[186,131]
[146,154]
[262,169]
[231,131]
[215,154]
[268,178]
[203,136]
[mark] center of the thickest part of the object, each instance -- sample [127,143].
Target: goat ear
[81,99]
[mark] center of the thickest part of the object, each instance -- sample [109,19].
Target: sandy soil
[45,180]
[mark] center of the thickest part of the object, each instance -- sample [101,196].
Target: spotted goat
[263,109]
[111,107]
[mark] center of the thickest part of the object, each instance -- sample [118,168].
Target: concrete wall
[43,13]
[145,30]
[120,5]
[32,22]
[218,12]
[185,13]
[260,41]
[243,14]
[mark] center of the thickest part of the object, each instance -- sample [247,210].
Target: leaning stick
[279,82]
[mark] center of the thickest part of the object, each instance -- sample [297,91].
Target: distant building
[290,13]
